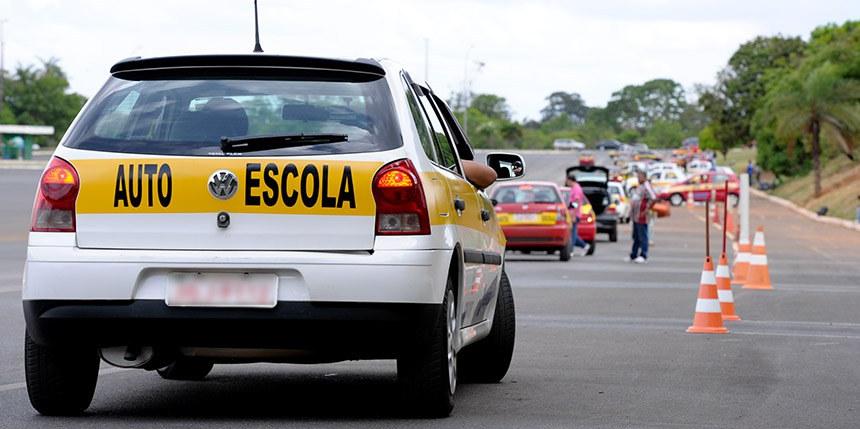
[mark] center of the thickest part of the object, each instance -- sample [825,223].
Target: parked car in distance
[587,229]
[701,186]
[567,144]
[595,183]
[534,216]
[699,166]
[619,197]
[663,179]
[609,145]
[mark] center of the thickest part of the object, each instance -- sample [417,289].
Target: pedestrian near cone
[724,290]
[758,276]
[708,318]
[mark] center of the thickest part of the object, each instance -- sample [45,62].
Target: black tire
[676,199]
[613,235]
[423,367]
[592,245]
[564,253]
[60,380]
[488,360]
[186,369]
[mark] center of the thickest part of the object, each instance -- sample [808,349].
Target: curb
[12,164]
[805,212]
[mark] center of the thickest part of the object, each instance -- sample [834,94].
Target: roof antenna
[257,47]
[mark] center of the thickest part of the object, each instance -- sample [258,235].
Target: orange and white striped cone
[759,276]
[724,290]
[742,262]
[730,223]
[690,202]
[708,318]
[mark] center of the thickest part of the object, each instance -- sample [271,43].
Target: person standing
[751,171]
[577,200]
[642,200]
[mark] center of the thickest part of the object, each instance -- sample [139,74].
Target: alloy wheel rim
[451,319]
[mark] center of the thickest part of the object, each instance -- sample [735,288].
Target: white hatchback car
[227,209]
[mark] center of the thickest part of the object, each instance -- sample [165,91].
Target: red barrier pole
[725,216]
[707,229]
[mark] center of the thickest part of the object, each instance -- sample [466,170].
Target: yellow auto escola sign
[247,185]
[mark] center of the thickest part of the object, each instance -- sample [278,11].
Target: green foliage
[629,136]
[40,96]
[707,140]
[568,104]
[639,107]
[492,106]
[664,134]
[733,101]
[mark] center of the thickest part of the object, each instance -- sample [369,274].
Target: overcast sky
[529,48]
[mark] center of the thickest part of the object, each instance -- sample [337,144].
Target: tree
[493,106]
[664,134]
[820,103]
[732,102]
[568,104]
[40,96]
[640,106]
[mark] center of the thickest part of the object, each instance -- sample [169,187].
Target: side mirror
[507,166]
[495,202]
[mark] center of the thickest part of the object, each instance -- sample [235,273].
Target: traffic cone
[724,290]
[742,262]
[708,318]
[690,202]
[759,276]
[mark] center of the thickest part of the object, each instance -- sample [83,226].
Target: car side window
[447,155]
[420,122]
[458,136]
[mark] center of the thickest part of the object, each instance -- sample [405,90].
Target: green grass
[840,183]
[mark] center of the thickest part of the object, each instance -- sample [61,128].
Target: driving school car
[703,187]
[533,216]
[228,209]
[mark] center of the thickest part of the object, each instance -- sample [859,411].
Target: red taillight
[54,208]
[400,205]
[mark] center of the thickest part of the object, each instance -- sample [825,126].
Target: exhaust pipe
[128,356]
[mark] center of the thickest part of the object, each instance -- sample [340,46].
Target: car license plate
[195,289]
[526,217]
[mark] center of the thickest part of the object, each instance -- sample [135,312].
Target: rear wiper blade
[259,143]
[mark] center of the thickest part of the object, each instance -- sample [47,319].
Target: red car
[534,216]
[701,185]
[587,229]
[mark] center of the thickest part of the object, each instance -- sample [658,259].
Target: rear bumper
[343,330]
[587,231]
[537,236]
[383,276]
[607,223]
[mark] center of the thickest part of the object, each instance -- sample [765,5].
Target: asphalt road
[600,343]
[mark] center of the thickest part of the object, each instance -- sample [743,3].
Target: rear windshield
[189,117]
[526,194]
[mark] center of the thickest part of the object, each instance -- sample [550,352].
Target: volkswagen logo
[223,184]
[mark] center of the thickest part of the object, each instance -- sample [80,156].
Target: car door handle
[485,215]
[459,204]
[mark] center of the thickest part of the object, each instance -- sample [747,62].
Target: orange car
[533,216]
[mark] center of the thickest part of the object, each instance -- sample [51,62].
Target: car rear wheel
[427,369]
[676,200]
[488,360]
[613,235]
[186,369]
[564,253]
[60,380]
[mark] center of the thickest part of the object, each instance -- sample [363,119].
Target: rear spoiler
[251,66]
